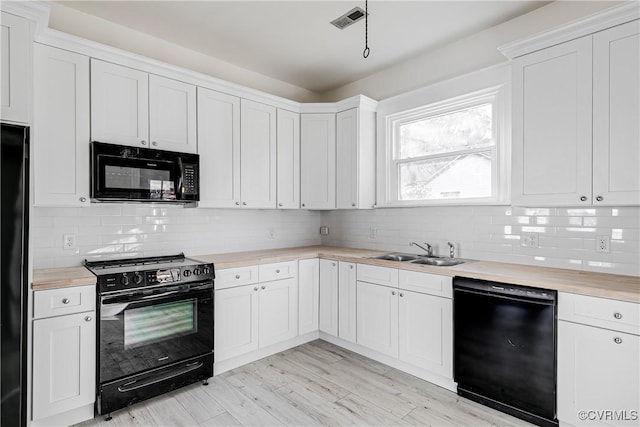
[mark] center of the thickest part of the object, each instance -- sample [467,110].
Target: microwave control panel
[190,180]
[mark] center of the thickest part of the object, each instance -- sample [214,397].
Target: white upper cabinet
[257,155]
[61,127]
[172,115]
[123,98]
[576,139]
[355,159]
[15,46]
[318,161]
[219,149]
[552,125]
[119,104]
[288,163]
[616,112]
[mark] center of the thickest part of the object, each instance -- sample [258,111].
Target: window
[446,152]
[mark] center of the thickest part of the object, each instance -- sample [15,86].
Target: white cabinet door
[236,321]
[61,127]
[347,301]
[119,104]
[308,294]
[318,161]
[552,117]
[616,109]
[329,296]
[219,149]
[347,159]
[598,370]
[288,154]
[377,314]
[258,155]
[426,332]
[172,115]
[64,358]
[14,68]
[278,311]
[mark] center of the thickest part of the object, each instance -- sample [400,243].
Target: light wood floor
[311,385]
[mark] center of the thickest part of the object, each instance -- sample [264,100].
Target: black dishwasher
[505,348]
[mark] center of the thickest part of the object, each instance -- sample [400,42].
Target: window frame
[489,86]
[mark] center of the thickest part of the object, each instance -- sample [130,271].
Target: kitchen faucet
[428,249]
[452,250]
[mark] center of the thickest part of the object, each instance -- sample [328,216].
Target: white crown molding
[34,11]
[610,17]
[357,101]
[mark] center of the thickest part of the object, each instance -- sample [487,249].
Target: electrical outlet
[69,241]
[529,240]
[602,244]
[373,233]
[324,230]
[272,233]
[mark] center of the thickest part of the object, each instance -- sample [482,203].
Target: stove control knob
[124,280]
[197,271]
[186,273]
[206,270]
[137,278]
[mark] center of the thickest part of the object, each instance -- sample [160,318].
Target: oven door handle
[134,385]
[126,298]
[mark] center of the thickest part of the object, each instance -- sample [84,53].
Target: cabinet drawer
[278,270]
[378,275]
[239,276]
[426,283]
[605,313]
[57,302]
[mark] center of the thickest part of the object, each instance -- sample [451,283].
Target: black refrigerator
[14,209]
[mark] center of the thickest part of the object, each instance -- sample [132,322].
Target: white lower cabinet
[64,351]
[347,304]
[308,295]
[377,313]
[426,332]
[253,316]
[598,368]
[329,297]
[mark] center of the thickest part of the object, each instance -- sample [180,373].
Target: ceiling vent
[349,18]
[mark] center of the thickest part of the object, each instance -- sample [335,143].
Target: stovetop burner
[134,273]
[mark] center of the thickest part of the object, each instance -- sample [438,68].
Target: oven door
[150,328]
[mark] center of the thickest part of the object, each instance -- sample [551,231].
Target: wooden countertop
[625,288]
[52,278]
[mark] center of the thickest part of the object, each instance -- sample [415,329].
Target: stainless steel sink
[419,259]
[438,262]
[396,256]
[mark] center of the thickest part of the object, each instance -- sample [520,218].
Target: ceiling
[293,41]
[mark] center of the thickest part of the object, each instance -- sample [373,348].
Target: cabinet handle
[353,205]
[263,287]
[401,294]
[88,319]
[277,271]
[237,276]
[83,199]
[617,315]
[333,264]
[66,300]
[599,198]
[351,267]
[255,288]
[303,205]
[617,340]
[583,198]
[393,293]
[237,203]
[244,203]
[143,142]
[280,204]
[154,143]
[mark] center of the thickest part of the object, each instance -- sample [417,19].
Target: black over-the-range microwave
[121,173]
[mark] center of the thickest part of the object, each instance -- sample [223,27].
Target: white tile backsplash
[566,236]
[124,230]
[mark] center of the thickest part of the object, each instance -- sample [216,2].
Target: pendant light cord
[366,51]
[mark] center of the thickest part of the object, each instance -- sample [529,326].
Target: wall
[90,27]
[466,55]
[492,233]
[131,230]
